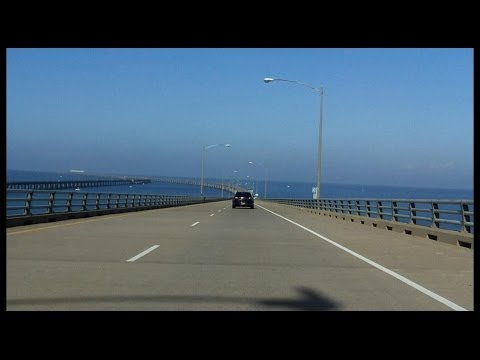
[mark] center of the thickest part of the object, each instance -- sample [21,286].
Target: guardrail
[33,206]
[456,215]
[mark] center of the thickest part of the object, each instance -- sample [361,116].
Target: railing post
[394,211]
[51,199]
[367,206]
[435,215]
[465,217]
[108,200]
[69,201]
[379,209]
[413,213]
[97,202]
[84,202]
[28,204]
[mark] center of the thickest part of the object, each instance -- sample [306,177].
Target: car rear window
[243,194]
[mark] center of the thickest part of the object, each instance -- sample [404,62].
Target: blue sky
[401,117]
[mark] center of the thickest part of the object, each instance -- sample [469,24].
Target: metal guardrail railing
[445,214]
[42,202]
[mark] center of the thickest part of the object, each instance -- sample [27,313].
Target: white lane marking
[219,210]
[212,214]
[143,253]
[380,267]
[198,222]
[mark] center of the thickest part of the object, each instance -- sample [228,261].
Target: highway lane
[213,257]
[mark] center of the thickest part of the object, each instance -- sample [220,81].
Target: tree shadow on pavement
[309,300]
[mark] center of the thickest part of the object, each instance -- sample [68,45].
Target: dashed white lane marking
[198,222]
[219,210]
[420,288]
[143,253]
[212,214]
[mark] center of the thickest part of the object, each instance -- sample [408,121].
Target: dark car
[242,198]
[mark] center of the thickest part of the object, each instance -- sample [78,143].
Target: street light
[203,161]
[319,160]
[254,164]
[253,183]
[234,181]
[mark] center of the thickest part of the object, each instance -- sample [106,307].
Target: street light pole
[203,162]
[319,160]
[252,163]
[234,179]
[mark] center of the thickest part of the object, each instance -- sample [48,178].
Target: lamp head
[227,145]
[267,80]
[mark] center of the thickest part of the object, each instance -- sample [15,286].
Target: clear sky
[401,117]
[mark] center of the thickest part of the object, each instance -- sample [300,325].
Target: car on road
[242,198]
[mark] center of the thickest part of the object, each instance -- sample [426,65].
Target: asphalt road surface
[213,257]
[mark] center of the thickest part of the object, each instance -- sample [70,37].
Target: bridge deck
[231,259]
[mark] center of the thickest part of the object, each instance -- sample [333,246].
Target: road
[213,257]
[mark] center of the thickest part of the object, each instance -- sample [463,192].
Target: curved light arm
[210,146]
[267,80]
[255,164]
[203,162]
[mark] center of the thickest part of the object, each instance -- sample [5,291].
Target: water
[275,189]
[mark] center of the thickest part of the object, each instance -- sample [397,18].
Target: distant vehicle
[242,198]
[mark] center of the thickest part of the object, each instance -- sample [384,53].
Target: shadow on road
[309,300]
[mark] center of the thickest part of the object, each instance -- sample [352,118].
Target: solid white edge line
[198,222]
[143,253]
[420,288]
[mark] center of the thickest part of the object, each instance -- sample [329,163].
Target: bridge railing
[454,215]
[38,203]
